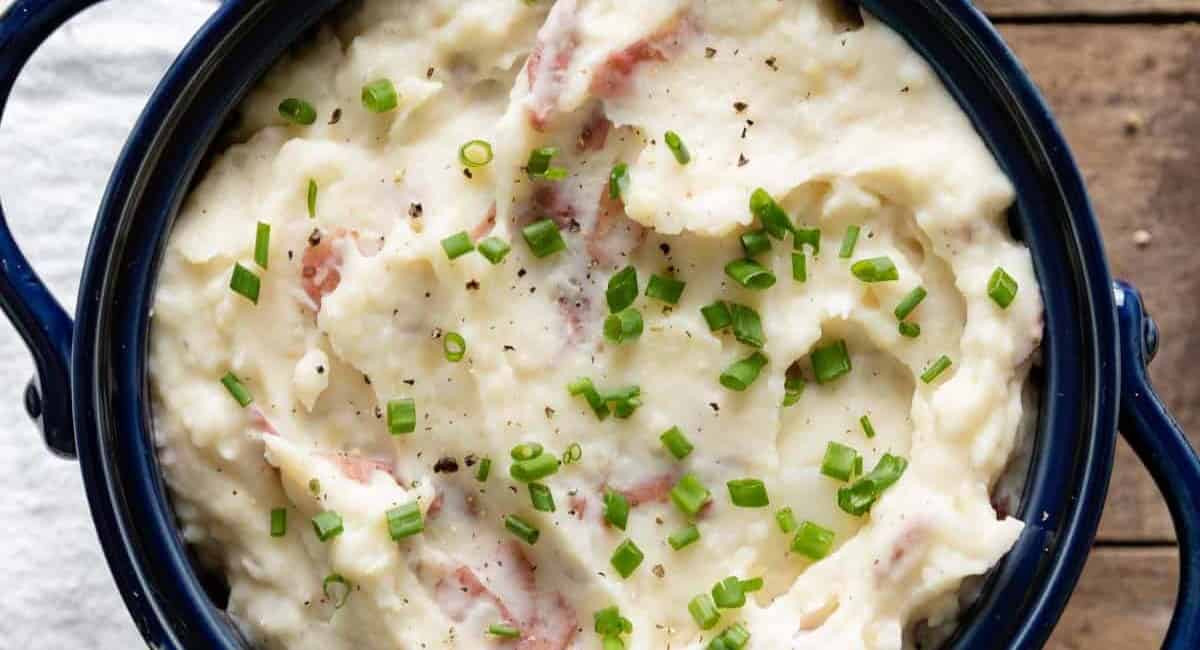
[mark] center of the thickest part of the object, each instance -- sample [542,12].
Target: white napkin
[61,132]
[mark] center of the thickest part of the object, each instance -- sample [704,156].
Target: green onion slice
[327,525]
[312,199]
[684,537]
[910,302]
[237,389]
[278,522]
[541,497]
[831,361]
[748,493]
[339,587]
[543,238]
[1002,287]
[786,520]
[740,374]
[584,387]
[297,111]
[857,498]
[526,451]
[839,461]
[539,167]
[868,429]
[618,182]
[523,530]
[405,521]
[752,585]
[937,368]
[747,326]
[704,611]
[616,508]
[457,245]
[812,540]
[909,329]
[728,594]
[262,245]
[622,289]
[734,637]
[503,631]
[494,249]
[454,346]
[475,153]
[245,283]
[848,242]
[755,242]
[665,289]
[625,325]
[677,147]
[810,236]
[793,385]
[534,469]
[573,454]
[770,214]
[717,316]
[627,558]
[402,416]
[689,494]
[875,269]
[799,267]
[608,621]
[483,470]
[380,96]
[676,443]
[750,274]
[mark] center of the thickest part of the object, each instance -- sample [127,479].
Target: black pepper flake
[742,160]
[446,465]
[521,273]
[714,407]
[743,133]
[473,285]
[709,52]
[314,238]
[410,382]
[549,412]
[429,73]
[658,571]
[665,248]
[378,413]
[320,370]
[467,173]
[740,106]
[367,379]
[470,459]
[336,117]
[415,210]
[290,255]
[771,63]
[509,348]
[904,89]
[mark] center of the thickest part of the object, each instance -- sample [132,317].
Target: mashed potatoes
[719,291]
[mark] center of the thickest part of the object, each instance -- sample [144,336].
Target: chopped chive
[748,493]
[858,468]
[678,149]
[612,642]
[336,583]
[734,637]
[752,585]
[483,470]
[245,283]
[848,242]
[543,238]
[773,218]
[541,497]
[793,386]
[755,242]
[704,611]
[573,454]
[618,182]
[539,167]
[327,525]
[909,329]
[689,494]
[786,520]
[625,325]
[622,289]
[262,245]
[583,387]
[728,594]
[494,249]
[405,521]
[526,451]
[865,421]
[857,498]
[910,302]
[523,530]
[278,522]
[616,508]
[747,326]
[676,443]
[740,374]
[750,274]
[503,631]
[297,111]
[454,346]
[831,361]
[875,269]
[608,621]
[812,540]
[237,389]
[627,558]
[457,245]
[799,267]
[1002,287]
[665,289]
[839,461]
[475,153]
[937,368]
[684,537]
[380,96]
[810,236]
[533,469]
[312,199]
[717,316]
[402,416]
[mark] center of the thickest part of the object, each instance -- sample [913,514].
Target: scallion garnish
[533,469]
[689,494]
[454,346]
[704,611]
[734,637]
[380,96]
[245,283]
[483,470]
[262,245]
[839,461]
[573,454]
[728,594]
[868,429]
[755,242]
[677,147]
[457,245]
[750,274]
[327,525]
[618,182]
[541,497]
[717,316]
[539,167]
[522,529]
[747,326]
[609,622]
[616,508]
[773,218]
[910,302]
[1002,287]
[312,199]
[543,238]
[740,374]
[748,493]
[676,443]
[793,385]
[584,387]
[858,497]
[475,153]
[625,325]
[831,361]
[684,537]
[526,451]
[402,416]
[909,329]
[278,522]
[405,521]
[786,520]
[237,389]
[810,236]
[503,631]
[622,289]
[339,587]
[494,249]
[799,267]
[937,368]
[627,558]
[875,269]
[297,111]
[752,585]
[848,242]
[812,540]
[665,289]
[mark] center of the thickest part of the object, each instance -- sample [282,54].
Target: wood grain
[1051,8]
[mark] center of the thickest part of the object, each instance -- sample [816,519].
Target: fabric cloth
[62,130]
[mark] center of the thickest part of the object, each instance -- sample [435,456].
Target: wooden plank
[1124,600]
[1126,98]
[1034,8]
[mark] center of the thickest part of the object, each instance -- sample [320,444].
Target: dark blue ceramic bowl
[90,391]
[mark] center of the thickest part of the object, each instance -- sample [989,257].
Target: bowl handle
[26,301]
[1164,449]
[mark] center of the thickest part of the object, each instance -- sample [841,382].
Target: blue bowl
[89,395]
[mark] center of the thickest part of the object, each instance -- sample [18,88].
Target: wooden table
[1123,77]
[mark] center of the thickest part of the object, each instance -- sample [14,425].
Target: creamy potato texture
[842,124]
